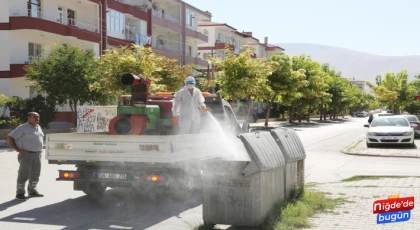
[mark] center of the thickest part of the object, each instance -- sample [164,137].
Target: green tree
[65,73]
[242,76]
[413,106]
[315,90]
[3,101]
[44,106]
[394,90]
[165,74]
[284,83]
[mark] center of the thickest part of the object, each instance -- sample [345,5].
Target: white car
[390,130]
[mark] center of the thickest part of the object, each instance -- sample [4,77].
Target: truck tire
[95,190]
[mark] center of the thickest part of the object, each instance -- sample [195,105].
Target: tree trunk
[234,100]
[268,111]
[208,78]
[325,112]
[309,115]
[320,111]
[292,112]
[300,114]
[74,108]
[249,108]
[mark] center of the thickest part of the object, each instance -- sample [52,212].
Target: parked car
[390,130]
[362,114]
[413,119]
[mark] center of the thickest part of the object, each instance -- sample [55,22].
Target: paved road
[63,208]
[325,163]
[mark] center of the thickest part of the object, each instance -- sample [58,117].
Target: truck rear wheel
[94,189]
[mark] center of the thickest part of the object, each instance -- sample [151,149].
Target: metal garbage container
[243,193]
[294,153]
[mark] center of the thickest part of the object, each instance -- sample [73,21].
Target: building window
[71,17]
[34,8]
[34,51]
[115,21]
[190,18]
[219,38]
[60,15]
[189,51]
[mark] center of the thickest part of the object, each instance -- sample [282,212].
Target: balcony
[167,48]
[192,59]
[53,17]
[220,45]
[138,38]
[166,21]
[50,22]
[165,16]
[194,32]
[166,45]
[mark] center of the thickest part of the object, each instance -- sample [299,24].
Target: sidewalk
[314,122]
[358,197]
[360,149]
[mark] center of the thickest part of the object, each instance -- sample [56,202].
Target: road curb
[375,155]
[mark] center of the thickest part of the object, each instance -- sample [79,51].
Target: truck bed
[145,148]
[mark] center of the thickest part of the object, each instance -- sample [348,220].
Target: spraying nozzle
[131,79]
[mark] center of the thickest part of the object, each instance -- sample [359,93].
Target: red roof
[246,35]
[273,46]
[209,23]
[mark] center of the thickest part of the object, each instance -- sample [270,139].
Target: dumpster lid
[290,144]
[263,150]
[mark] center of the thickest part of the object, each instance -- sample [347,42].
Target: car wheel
[412,145]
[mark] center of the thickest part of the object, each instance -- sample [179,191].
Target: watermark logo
[393,209]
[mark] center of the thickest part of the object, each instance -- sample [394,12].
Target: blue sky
[383,27]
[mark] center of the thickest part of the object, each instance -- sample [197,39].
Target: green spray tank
[134,115]
[140,113]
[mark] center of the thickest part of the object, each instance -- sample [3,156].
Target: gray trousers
[29,169]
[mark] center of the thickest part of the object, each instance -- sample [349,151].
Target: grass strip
[295,214]
[360,178]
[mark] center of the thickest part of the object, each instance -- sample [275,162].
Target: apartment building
[359,83]
[28,25]
[175,32]
[264,50]
[222,35]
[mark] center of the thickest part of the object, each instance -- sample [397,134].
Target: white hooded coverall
[187,107]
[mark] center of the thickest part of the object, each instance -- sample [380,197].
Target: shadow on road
[10,203]
[396,147]
[118,207]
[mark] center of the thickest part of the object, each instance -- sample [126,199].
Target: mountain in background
[355,64]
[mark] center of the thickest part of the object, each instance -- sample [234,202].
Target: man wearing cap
[30,139]
[186,107]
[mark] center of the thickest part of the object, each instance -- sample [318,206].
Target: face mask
[190,86]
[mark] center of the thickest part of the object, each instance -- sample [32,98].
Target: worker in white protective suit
[186,107]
